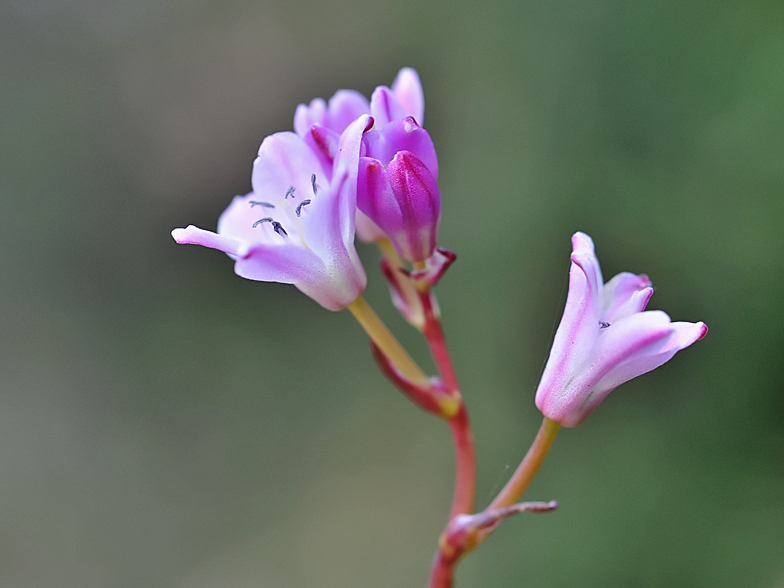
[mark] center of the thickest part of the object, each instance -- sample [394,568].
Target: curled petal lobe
[605,338]
[618,293]
[576,335]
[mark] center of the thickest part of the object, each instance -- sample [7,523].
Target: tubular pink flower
[605,338]
[397,189]
[297,226]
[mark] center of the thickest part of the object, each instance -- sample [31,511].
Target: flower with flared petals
[386,105]
[297,226]
[397,189]
[605,338]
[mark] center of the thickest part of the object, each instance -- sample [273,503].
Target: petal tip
[182,236]
[582,242]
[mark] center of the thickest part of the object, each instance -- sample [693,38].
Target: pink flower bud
[397,189]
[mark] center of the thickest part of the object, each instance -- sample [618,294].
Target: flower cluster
[367,168]
[349,164]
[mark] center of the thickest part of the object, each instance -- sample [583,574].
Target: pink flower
[297,226]
[397,189]
[320,124]
[605,338]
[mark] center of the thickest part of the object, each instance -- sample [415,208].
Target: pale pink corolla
[404,99]
[297,226]
[605,338]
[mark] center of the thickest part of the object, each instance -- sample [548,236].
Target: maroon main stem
[465,456]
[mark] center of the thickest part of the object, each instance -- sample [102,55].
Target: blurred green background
[164,423]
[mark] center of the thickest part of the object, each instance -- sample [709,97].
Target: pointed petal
[347,160]
[195,236]
[583,255]
[632,337]
[408,90]
[287,264]
[683,334]
[578,330]
[618,293]
[329,232]
[350,145]
[384,107]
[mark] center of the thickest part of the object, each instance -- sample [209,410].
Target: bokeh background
[164,423]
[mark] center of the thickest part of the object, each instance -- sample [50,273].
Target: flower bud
[397,189]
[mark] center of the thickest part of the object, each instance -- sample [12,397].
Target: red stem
[442,572]
[465,456]
[465,470]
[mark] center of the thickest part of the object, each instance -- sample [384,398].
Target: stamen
[298,210]
[266,219]
[260,203]
[603,324]
[278,228]
[313,183]
[289,192]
